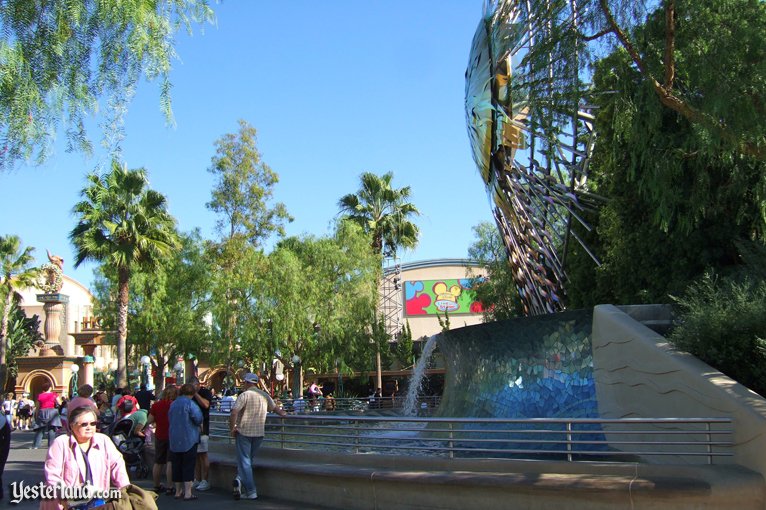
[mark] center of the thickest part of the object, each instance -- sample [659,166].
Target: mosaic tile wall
[530,367]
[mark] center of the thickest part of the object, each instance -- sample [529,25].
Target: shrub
[723,323]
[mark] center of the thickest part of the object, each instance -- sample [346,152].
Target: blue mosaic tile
[531,367]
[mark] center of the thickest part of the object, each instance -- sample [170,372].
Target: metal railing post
[451,444]
[282,433]
[356,436]
[709,444]
[569,441]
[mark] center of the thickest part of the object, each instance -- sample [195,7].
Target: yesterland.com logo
[21,491]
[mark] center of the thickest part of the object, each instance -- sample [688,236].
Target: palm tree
[127,226]
[15,273]
[383,212]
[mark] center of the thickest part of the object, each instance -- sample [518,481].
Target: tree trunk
[4,340]
[122,328]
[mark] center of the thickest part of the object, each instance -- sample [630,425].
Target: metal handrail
[572,439]
[425,404]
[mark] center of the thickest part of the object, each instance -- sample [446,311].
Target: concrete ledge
[382,482]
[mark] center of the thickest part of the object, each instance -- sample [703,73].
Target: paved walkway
[25,464]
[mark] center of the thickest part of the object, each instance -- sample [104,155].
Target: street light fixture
[179,370]
[75,369]
[145,362]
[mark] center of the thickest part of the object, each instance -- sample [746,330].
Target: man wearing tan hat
[246,424]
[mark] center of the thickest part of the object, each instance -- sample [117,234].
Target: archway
[34,383]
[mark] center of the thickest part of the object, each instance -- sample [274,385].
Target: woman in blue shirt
[185,420]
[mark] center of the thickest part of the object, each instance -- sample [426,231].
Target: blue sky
[333,88]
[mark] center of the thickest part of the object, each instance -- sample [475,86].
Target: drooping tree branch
[665,93]
[597,35]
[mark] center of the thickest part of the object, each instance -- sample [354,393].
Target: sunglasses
[87,424]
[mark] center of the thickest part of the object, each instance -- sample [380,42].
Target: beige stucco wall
[639,374]
[428,325]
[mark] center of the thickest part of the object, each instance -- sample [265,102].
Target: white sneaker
[237,488]
[251,495]
[203,485]
[195,484]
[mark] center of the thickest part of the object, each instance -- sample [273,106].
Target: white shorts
[202,446]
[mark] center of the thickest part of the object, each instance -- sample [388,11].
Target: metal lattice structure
[532,154]
[391,295]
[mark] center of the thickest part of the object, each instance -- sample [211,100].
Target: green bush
[723,323]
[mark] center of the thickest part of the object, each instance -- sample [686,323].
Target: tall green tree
[386,214]
[59,57]
[493,283]
[317,295]
[126,225]
[242,197]
[16,273]
[244,189]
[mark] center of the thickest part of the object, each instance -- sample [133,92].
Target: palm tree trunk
[4,340]
[122,327]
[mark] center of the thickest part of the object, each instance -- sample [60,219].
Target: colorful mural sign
[431,297]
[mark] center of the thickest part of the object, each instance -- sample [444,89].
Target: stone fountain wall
[529,367]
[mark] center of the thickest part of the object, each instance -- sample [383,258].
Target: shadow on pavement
[26,465]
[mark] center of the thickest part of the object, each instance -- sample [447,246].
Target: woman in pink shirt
[46,418]
[83,457]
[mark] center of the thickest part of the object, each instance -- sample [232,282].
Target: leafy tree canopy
[23,333]
[126,225]
[703,60]
[16,273]
[682,201]
[59,57]
[168,305]
[244,189]
[493,283]
[382,211]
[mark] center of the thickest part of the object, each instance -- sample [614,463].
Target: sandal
[170,491]
[193,496]
[159,489]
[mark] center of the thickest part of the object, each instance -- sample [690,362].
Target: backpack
[127,405]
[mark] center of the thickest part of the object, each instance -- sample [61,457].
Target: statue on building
[56,260]
[51,274]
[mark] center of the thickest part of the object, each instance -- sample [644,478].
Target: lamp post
[73,381]
[145,362]
[179,370]
[297,377]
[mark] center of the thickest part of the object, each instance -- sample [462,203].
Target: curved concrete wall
[639,374]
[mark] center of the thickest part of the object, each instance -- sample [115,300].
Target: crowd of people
[178,423]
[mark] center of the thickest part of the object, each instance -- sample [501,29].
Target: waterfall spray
[416,380]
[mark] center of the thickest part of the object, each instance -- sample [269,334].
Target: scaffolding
[391,298]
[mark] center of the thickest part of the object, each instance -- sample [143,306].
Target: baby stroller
[131,446]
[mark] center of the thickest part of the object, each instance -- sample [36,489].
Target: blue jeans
[49,432]
[246,448]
